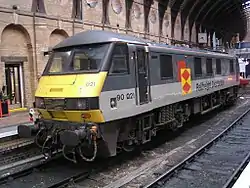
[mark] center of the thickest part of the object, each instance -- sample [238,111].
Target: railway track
[54,174]
[17,155]
[17,149]
[217,164]
[6,146]
[10,141]
[58,172]
[27,170]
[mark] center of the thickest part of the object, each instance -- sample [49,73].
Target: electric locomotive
[103,92]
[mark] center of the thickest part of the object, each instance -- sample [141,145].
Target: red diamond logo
[186,87]
[185,74]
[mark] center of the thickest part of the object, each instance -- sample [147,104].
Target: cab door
[142,75]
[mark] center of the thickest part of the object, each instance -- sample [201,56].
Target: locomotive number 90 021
[128,96]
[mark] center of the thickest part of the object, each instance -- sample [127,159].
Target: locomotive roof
[100,36]
[190,51]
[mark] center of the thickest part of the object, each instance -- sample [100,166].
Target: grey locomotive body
[144,92]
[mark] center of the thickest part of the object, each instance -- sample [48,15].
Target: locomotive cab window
[119,63]
[225,67]
[197,67]
[218,66]
[86,58]
[231,64]
[209,67]
[82,62]
[166,67]
[58,62]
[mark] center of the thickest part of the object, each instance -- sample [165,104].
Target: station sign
[202,38]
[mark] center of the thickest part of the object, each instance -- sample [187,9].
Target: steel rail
[16,156]
[92,169]
[10,145]
[74,178]
[21,162]
[81,176]
[167,175]
[77,177]
[26,171]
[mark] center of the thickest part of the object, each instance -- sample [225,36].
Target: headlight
[39,102]
[77,104]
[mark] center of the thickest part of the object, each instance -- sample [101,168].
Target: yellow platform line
[19,110]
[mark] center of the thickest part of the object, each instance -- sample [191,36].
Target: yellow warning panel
[186,83]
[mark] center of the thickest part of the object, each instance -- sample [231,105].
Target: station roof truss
[225,17]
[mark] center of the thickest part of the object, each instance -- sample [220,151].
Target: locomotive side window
[231,66]
[218,66]
[166,67]
[209,67]
[197,67]
[119,63]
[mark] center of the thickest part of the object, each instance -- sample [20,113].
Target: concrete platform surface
[8,125]
[243,181]
[8,131]
[14,119]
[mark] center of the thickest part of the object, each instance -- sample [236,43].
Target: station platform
[8,125]
[243,181]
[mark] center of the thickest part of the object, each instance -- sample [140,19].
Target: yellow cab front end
[71,98]
[67,99]
[71,84]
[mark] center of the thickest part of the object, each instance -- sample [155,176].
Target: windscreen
[86,58]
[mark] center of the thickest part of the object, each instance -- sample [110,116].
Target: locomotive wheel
[177,123]
[86,149]
[179,120]
[126,147]
[173,126]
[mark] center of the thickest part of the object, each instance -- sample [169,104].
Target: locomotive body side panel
[122,88]
[119,86]
[162,95]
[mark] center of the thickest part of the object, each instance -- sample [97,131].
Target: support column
[214,41]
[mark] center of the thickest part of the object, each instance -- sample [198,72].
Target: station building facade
[28,28]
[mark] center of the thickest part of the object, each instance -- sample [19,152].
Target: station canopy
[220,16]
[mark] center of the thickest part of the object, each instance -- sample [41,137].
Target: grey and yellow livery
[112,92]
